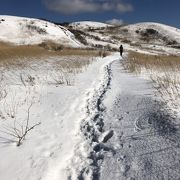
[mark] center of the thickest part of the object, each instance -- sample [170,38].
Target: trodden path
[122,131]
[145,143]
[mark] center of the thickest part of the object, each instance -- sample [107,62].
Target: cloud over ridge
[87,6]
[117,22]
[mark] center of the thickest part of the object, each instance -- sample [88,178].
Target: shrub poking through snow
[51,46]
[80,35]
[32,27]
[103,53]
[27,80]
[19,131]
[3,91]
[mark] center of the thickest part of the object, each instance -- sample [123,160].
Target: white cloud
[124,7]
[117,22]
[90,6]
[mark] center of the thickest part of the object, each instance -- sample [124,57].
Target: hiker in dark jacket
[121,50]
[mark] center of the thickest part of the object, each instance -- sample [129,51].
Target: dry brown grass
[66,68]
[59,49]
[136,61]
[11,51]
[78,52]
[46,48]
[12,55]
[62,62]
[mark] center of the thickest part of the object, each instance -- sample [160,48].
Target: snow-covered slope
[153,31]
[88,24]
[20,30]
[156,37]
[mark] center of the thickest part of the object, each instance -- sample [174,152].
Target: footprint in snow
[125,169]
[106,136]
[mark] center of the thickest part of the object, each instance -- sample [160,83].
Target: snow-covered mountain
[154,36]
[20,30]
[152,32]
[89,25]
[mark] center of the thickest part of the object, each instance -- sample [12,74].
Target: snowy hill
[154,32]
[20,30]
[153,36]
[89,25]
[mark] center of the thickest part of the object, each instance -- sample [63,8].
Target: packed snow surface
[145,140]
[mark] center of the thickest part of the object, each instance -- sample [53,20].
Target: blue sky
[130,11]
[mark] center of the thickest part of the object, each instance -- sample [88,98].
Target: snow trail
[89,154]
[74,161]
[146,139]
[126,132]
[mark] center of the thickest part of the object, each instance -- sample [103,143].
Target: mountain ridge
[22,30]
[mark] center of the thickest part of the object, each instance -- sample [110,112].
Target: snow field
[47,150]
[43,94]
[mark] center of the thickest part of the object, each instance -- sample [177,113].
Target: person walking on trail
[121,50]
